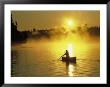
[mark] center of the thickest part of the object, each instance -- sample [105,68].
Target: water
[40,59]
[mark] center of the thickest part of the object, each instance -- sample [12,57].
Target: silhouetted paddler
[67,54]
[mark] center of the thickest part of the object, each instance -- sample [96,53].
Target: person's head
[66,50]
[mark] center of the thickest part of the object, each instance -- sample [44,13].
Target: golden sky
[48,19]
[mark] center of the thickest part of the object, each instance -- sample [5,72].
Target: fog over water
[40,58]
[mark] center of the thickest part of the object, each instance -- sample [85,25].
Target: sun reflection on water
[70,70]
[70,49]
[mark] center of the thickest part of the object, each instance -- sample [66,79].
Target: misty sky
[27,20]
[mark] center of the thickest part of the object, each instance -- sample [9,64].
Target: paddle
[60,57]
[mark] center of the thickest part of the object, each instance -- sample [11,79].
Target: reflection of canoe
[71,59]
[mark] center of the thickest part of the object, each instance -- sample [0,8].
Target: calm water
[40,59]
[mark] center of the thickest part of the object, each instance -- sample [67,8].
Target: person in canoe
[67,54]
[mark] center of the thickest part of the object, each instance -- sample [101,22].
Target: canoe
[71,59]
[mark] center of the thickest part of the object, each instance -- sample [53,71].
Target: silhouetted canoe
[71,59]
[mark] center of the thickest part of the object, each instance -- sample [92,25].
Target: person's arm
[64,54]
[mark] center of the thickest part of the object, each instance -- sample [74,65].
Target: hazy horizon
[27,20]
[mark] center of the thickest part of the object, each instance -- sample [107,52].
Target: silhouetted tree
[15,34]
[34,30]
[94,31]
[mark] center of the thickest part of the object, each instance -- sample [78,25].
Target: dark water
[40,59]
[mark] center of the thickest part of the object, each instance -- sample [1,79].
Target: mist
[87,35]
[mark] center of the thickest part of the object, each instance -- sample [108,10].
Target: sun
[70,23]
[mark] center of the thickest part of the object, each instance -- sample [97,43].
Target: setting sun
[70,23]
